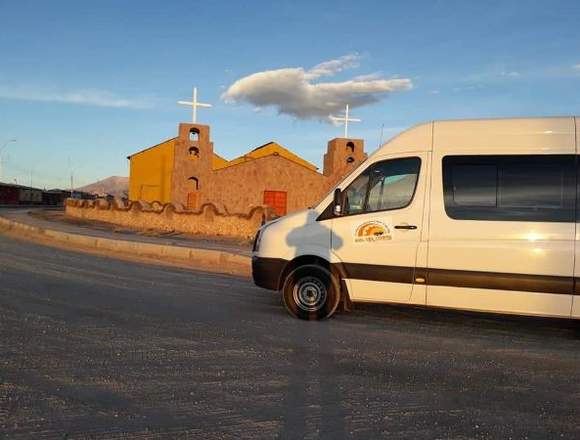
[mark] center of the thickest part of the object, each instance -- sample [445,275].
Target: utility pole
[4,145]
[72,190]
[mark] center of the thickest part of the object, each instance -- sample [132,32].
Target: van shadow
[458,322]
[314,232]
[313,401]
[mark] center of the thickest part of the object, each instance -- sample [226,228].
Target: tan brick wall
[241,187]
[208,221]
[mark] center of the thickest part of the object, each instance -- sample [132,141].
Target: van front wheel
[311,292]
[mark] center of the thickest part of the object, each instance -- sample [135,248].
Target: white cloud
[98,98]
[512,74]
[292,91]
[371,76]
[332,67]
[576,67]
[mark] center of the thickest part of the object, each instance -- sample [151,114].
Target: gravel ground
[96,348]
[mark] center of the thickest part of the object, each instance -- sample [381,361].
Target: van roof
[491,135]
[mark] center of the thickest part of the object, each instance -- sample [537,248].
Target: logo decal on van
[372,231]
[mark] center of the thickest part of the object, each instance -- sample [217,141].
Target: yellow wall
[150,173]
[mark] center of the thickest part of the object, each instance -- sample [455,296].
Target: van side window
[383,186]
[529,188]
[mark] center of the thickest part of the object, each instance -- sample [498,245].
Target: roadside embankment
[221,261]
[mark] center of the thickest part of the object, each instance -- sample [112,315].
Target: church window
[194,152]
[195,181]
[194,135]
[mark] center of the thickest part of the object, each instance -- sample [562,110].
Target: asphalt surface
[92,347]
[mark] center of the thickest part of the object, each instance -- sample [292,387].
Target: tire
[311,292]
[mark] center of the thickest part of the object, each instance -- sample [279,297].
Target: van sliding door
[576,296]
[502,230]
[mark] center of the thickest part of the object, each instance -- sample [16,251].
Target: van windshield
[331,191]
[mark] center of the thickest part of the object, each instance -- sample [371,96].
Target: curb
[208,259]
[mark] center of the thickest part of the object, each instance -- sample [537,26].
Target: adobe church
[185,170]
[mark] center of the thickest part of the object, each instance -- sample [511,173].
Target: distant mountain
[115,185]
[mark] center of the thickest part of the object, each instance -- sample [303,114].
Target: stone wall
[241,187]
[146,216]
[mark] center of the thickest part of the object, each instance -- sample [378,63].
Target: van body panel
[379,291]
[514,247]
[516,260]
[499,301]
[295,235]
[576,300]
[381,268]
[417,138]
[505,136]
[576,307]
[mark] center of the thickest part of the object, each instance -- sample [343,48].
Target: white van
[473,214]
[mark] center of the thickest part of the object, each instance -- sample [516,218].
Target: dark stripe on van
[501,281]
[373,272]
[463,278]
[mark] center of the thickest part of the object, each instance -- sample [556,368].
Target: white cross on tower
[344,119]
[194,105]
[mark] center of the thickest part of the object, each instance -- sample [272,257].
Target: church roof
[152,147]
[218,162]
[270,149]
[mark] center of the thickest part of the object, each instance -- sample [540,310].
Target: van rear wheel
[311,292]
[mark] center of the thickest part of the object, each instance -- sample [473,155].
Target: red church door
[192,201]
[276,200]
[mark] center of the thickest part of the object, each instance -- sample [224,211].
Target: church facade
[185,170]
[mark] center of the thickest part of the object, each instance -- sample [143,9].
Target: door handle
[405,226]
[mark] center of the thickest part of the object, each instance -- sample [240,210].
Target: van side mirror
[337,203]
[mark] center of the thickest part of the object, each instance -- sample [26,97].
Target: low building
[13,194]
[185,170]
[55,197]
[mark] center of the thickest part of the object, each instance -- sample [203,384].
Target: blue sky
[84,84]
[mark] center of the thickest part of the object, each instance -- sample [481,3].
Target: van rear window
[475,185]
[510,187]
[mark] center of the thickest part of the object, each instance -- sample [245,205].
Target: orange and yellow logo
[372,231]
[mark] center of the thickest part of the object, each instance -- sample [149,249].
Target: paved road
[96,348]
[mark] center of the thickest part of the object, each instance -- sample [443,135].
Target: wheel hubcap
[310,294]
